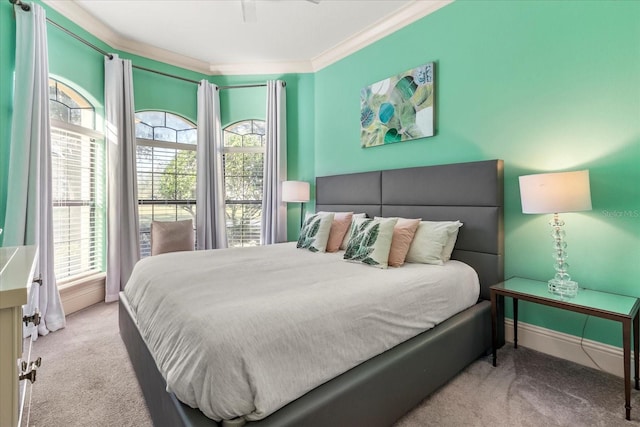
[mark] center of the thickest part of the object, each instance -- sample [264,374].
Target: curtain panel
[211,230]
[29,215]
[274,210]
[123,245]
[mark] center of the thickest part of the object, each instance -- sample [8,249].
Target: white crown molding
[262,68]
[78,15]
[162,55]
[413,11]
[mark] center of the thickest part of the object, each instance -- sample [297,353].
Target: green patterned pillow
[347,235]
[370,241]
[315,231]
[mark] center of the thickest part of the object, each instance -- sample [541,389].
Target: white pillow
[433,242]
[347,235]
[315,232]
[453,228]
[370,241]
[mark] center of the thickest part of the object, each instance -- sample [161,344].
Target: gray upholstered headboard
[469,192]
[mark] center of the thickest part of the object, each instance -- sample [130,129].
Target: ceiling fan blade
[249,14]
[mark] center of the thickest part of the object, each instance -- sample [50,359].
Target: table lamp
[557,193]
[296,192]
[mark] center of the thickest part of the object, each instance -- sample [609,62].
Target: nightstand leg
[626,344]
[636,344]
[515,323]
[494,326]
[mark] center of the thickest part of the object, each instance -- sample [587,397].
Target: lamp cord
[584,327]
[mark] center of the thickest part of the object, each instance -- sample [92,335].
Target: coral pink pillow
[339,227]
[403,233]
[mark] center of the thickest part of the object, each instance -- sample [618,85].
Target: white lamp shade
[295,191]
[555,192]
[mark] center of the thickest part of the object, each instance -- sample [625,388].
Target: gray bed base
[382,389]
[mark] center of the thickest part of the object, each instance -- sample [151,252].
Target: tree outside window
[243,167]
[166,166]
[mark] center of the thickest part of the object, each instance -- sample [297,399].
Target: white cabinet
[17,265]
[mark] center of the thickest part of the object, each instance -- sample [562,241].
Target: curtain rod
[27,8]
[23,6]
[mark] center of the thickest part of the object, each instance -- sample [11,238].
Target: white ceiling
[210,36]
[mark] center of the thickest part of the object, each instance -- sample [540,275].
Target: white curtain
[211,230]
[123,246]
[274,210]
[29,218]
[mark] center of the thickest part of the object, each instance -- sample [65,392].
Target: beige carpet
[86,380]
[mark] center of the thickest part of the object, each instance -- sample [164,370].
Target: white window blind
[166,165]
[78,200]
[166,185]
[243,163]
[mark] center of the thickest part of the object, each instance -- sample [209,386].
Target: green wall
[83,67]
[7,66]
[545,86]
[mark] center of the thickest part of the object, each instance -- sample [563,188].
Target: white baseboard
[565,346]
[83,293]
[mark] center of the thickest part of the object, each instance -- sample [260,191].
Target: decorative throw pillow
[347,235]
[339,227]
[403,233]
[370,241]
[429,242]
[171,236]
[453,228]
[315,231]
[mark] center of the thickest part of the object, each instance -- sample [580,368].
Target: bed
[380,390]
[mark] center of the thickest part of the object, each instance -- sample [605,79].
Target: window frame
[169,145]
[243,150]
[97,201]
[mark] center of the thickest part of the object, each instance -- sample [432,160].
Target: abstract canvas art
[399,108]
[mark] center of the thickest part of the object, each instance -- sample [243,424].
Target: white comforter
[243,332]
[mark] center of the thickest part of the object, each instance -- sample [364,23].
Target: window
[166,163]
[243,164]
[78,184]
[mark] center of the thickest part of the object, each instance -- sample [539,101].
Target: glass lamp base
[563,288]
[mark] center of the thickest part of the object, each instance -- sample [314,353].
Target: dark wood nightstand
[623,309]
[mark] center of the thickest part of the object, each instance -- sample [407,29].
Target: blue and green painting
[399,108]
